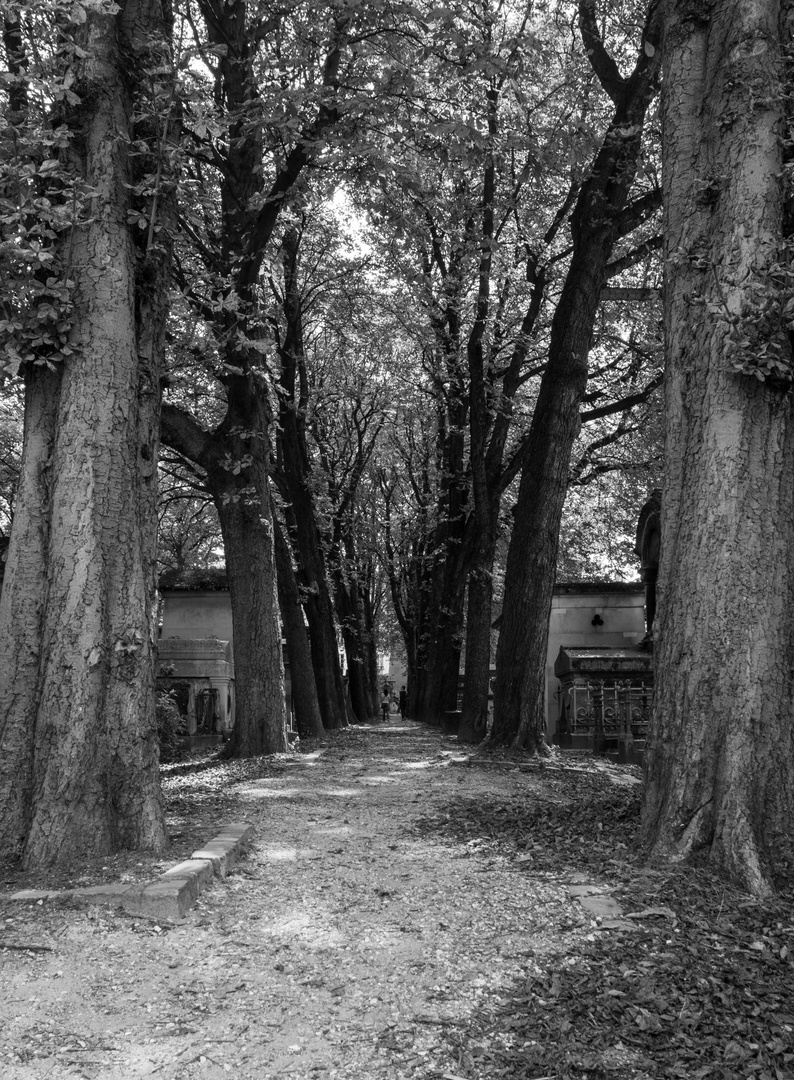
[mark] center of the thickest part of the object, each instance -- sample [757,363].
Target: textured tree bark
[22,607]
[258,663]
[304,689]
[260,716]
[91,753]
[720,761]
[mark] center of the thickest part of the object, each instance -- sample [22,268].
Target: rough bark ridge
[81,654]
[720,766]
[602,215]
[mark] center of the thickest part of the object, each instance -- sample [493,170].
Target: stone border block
[176,890]
[221,853]
[164,899]
[98,893]
[32,894]
[200,869]
[240,832]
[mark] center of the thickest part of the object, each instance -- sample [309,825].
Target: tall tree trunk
[236,460]
[444,585]
[406,596]
[425,578]
[477,677]
[319,612]
[359,640]
[519,714]
[352,638]
[296,480]
[439,667]
[370,654]
[601,216]
[304,688]
[22,607]
[720,761]
[260,716]
[94,779]
[478,555]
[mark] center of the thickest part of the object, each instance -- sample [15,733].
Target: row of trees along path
[223,216]
[396,917]
[509,181]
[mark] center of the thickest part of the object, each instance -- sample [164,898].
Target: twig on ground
[23,947]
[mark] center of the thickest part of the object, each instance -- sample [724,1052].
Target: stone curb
[175,891]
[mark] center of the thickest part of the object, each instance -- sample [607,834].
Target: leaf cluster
[40,201]
[760,338]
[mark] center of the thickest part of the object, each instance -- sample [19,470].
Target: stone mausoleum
[195,656]
[605,690]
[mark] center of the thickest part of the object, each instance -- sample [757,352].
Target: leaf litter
[400,917]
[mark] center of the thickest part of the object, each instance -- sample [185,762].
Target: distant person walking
[403,702]
[384,705]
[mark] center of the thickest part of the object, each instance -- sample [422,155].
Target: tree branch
[601,62]
[297,159]
[637,211]
[180,431]
[631,258]
[624,403]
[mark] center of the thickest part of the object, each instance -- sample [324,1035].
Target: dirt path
[350,943]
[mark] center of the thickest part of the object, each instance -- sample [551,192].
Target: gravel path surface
[350,943]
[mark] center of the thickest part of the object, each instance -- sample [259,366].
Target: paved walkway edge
[175,891]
